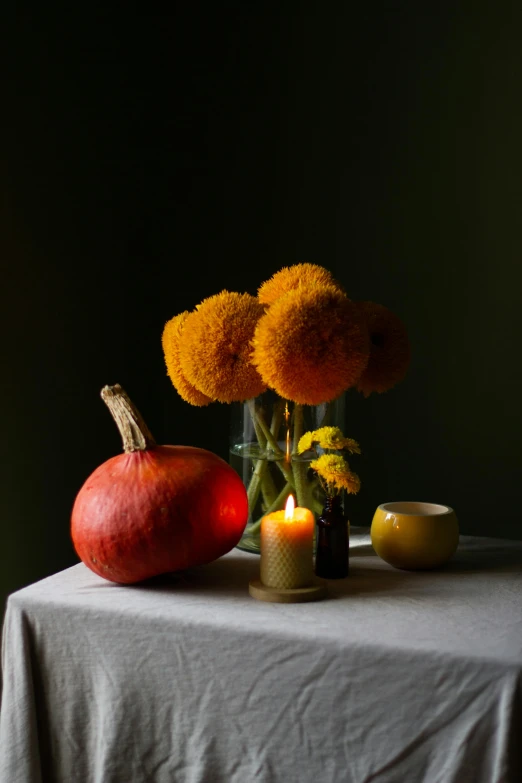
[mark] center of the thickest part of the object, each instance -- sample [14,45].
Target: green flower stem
[301,485]
[268,488]
[298,426]
[254,486]
[300,469]
[277,417]
[276,506]
[271,436]
[258,480]
[286,469]
[257,417]
[261,480]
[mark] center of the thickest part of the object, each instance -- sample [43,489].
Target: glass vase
[264,433]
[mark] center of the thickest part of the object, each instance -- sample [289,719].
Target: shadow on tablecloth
[229,575]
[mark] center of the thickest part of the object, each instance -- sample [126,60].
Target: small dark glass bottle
[331,559]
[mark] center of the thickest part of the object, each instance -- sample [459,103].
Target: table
[397,677]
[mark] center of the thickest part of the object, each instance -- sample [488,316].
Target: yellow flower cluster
[301,336]
[328,438]
[336,473]
[333,469]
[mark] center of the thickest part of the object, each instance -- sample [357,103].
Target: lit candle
[287,548]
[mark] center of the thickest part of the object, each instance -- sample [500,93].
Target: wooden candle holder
[297,595]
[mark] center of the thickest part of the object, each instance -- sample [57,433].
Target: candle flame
[289,508]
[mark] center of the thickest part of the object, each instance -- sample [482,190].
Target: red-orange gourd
[155,509]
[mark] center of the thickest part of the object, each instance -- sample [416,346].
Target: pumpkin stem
[133,430]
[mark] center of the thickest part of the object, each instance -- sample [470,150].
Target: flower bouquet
[336,477]
[284,358]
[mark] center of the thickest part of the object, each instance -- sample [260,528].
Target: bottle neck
[333,503]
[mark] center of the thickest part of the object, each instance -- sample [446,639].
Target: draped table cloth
[398,676]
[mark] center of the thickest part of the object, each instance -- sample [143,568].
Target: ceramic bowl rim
[439,510]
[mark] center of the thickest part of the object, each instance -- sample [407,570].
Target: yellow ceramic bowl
[414,536]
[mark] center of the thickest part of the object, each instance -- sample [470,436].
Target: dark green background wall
[146,163]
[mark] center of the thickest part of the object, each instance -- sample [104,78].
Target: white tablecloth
[397,677]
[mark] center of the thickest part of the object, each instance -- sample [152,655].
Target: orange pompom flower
[215,347]
[170,340]
[389,349]
[311,345]
[290,277]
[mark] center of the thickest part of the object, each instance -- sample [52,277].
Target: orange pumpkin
[155,509]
